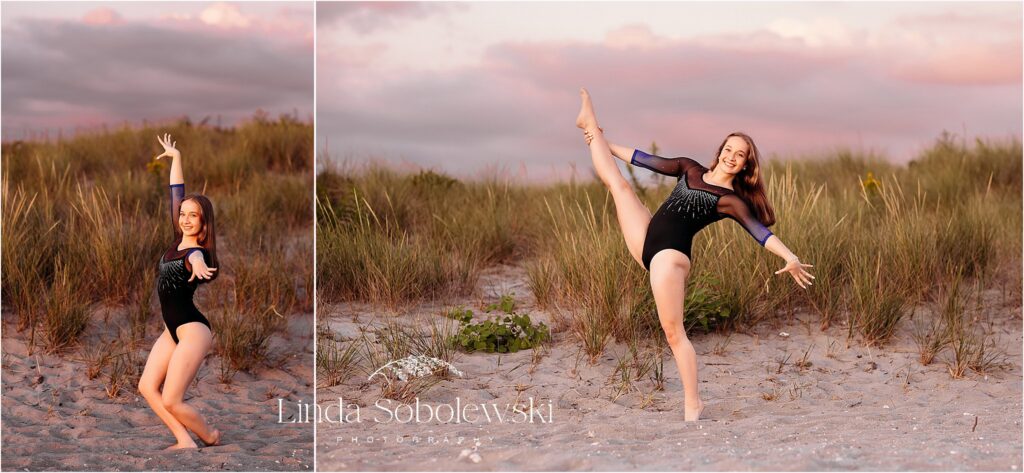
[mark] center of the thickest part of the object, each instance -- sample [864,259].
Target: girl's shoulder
[203,251]
[184,253]
[690,162]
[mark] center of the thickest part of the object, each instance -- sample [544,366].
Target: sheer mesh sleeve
[732,206]
[177,195]
[203,251]
[667,166]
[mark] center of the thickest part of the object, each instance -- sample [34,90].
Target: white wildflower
[414,366]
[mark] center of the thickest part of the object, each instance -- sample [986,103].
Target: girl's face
[190,218]
[734,154]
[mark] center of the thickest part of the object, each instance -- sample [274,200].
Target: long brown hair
[748,184]
[207,237]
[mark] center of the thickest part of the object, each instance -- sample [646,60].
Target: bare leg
[669,270]
[149,386]
[622,152]
[632,214]
[195,341]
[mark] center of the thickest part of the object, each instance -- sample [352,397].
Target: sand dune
[854,410]
[67,422]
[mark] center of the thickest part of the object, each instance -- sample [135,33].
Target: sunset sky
[79,65]
[463,87]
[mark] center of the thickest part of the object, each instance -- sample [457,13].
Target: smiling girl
[187,338]
[730,188]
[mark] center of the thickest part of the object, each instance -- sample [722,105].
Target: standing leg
[633,215]
[149,386]
[669,270]
[195,341]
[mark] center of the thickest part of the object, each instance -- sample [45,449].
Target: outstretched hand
[169,149]
[796,269]
[203,272]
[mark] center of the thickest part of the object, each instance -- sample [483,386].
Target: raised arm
[177,179]
[667,166]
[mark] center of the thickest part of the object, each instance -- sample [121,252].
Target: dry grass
[340,360]
[335,360]
[881,243]
[85,221]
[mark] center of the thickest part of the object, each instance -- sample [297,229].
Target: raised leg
[149,386]
[669,270]
[195,341]
[633,215]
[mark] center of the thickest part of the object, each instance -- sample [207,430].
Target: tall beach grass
[882,237]
[85,221]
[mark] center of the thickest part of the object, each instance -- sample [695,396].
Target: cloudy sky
[79,65]
[465,87]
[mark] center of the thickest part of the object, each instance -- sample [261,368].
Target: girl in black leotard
[693,205]
[187,338]
[177,283]
[731,187]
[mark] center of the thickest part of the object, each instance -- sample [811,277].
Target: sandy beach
[55,418]
[851,408]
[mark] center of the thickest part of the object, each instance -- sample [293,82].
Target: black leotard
[172,284]
[693,205]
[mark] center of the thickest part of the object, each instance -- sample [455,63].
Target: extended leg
[195,341]
[632,214]
[149,386]
[624,153]
[669,269]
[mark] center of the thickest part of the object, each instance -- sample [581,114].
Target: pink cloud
[288,24]
[232,68]
[965,64]
[952,19]
[797,88]
[224,15]
[637,36]
[102,16]
[365,17]
[228,20]
[346,56]
[953,48]
[662,63]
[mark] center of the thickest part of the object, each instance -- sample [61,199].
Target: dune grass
[882,237]
[86,219]
[358,359]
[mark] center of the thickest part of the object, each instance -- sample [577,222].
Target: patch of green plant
[506,304]
[507,334]
[460,314]
[705,304]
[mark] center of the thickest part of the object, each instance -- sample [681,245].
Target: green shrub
[431,180]
[507,334]
[506,304]
[707,303]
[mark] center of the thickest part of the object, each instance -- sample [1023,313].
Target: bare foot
[586,119]
[693,413]
[179,446]
[214,438]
